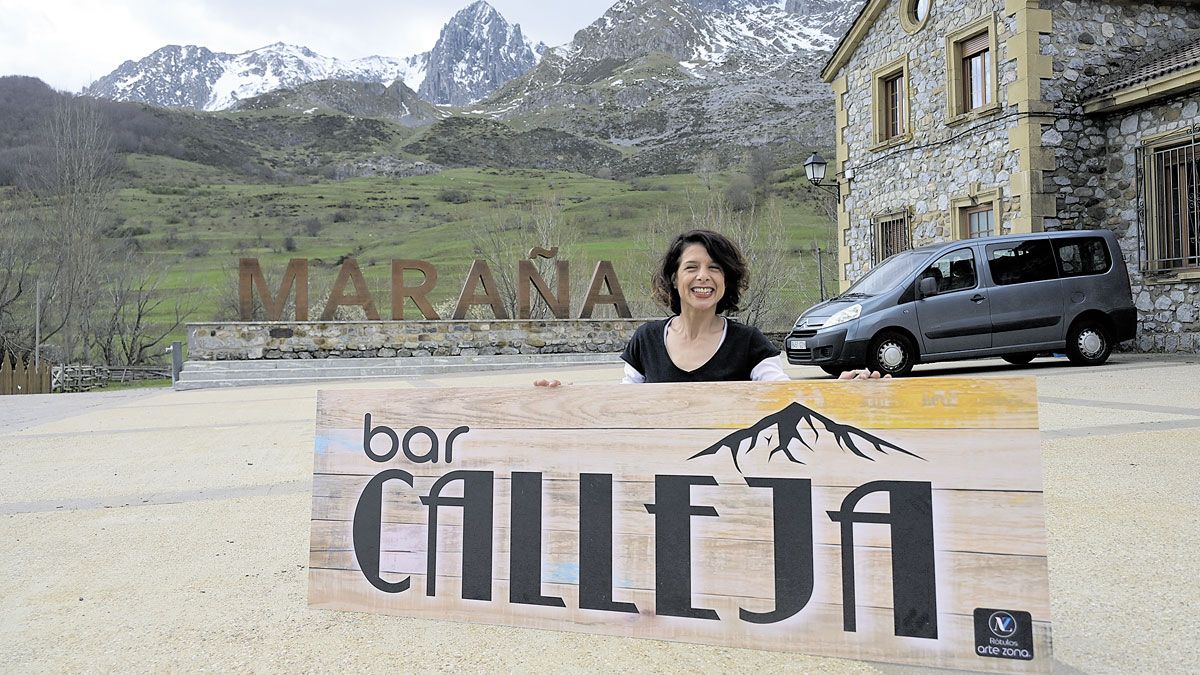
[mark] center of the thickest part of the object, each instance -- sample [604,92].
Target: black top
[743,348]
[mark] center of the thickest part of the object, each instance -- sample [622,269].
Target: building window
[971,60]
[977,71]
[913,14]
[893,88]
[976,213]
[979,221]
[892,235]
[890,104]
[1171,190]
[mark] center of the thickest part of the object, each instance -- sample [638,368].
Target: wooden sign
[895,521]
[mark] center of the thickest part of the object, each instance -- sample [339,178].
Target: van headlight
[849,314]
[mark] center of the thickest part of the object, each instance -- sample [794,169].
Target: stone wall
[1092,39]
[1096,180]
[942,161]
[387,339]
[1167,312]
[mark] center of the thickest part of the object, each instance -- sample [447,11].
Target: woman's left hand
[862,375]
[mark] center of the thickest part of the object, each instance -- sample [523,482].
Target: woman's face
[700,281]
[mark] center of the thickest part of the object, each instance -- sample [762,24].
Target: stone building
[961,118]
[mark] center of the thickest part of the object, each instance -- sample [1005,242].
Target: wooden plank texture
[921,499]
[925,403]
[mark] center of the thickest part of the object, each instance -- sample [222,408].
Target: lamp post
[814,169]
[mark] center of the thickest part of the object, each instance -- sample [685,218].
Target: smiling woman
[701,277]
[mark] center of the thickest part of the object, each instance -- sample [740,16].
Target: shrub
[289,243]
[453,196]
[312,226]
[740,193]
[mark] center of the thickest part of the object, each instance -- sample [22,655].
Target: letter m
[250,279]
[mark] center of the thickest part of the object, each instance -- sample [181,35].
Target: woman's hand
[862,375]
[547,383]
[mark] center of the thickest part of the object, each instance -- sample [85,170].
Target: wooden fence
[21,379]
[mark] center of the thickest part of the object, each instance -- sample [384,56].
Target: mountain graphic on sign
[789,422]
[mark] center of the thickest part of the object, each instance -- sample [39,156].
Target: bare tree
[760,164]
[18,253]
[136,315]
[760,236]
[73,183]
[507,238]
[708,168]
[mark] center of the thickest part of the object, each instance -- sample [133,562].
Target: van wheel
[891,354]
[1019,359]
[830,370]
[1088,344]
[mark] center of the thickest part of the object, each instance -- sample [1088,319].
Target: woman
[702,276]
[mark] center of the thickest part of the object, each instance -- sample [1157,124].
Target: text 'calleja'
[909,519]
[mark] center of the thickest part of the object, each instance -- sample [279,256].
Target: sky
[71,43]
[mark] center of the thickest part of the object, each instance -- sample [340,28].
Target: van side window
[1085,255]
[1021,262]
[953,271]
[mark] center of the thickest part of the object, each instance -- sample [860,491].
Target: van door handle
[977,298]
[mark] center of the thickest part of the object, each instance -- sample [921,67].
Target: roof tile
[1152,68]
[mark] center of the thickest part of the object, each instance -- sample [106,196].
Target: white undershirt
[769,369]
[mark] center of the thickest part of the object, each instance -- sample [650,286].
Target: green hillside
[194,192]
[199,222]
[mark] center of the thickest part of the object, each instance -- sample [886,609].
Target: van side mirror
[927,286]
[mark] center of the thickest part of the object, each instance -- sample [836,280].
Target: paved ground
[158,530]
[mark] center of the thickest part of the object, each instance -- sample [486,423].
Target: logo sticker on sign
[1003,634]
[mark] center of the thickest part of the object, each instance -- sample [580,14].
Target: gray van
[1014,296]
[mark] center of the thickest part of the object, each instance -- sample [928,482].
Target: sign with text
[897,520]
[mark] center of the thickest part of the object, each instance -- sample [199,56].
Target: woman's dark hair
[723,251]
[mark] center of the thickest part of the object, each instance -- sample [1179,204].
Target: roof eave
[850,41]
[1171,84]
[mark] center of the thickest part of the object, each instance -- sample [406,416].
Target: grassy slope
[200,220]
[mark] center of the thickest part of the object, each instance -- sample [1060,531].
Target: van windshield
[887,274]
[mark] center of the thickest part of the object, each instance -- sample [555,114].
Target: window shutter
[974,45]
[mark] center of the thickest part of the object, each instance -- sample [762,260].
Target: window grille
[892,235]
[1169,182]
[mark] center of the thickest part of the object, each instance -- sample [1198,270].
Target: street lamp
[814,168]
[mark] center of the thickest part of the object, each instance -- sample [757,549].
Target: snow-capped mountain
[476,52]
[674,79]
[706,34]
[195,77]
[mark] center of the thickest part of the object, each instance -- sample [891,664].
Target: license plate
[797,344]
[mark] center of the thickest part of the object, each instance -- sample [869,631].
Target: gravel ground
[155,531]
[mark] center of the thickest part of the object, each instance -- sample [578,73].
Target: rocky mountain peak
[476,52]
